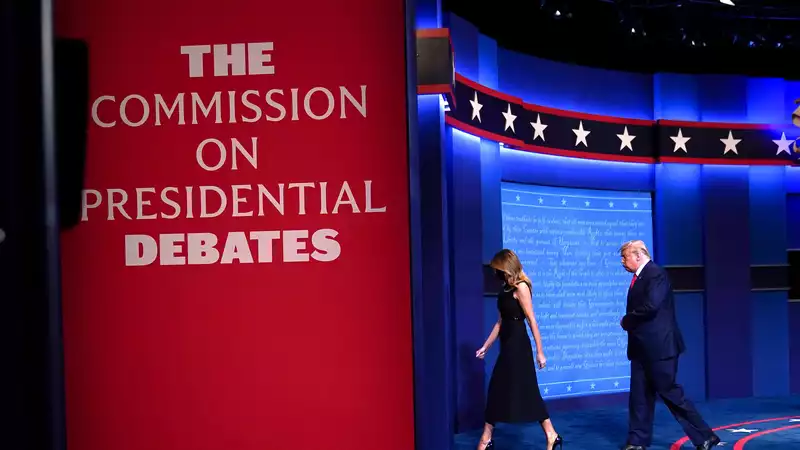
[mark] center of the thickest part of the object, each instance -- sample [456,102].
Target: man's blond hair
[636,247]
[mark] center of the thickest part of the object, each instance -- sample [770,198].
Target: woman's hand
[541,360]
[481,353]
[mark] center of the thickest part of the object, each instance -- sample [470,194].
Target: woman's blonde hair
[507,262]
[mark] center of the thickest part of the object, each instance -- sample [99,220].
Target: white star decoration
[563,202]
[541,200]
[635,205]
[626,140]
[587,202]
[783,144]
[476,107]
[546,390]
[592,385]
[580,135]
[509,120]
[730,144]
[538,128]
[569,388]
[680,142]
[518,198]
[616,384]
[610,204]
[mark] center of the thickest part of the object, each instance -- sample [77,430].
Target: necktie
[633,280]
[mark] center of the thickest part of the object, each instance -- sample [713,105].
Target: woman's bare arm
[493,335]
[523,296]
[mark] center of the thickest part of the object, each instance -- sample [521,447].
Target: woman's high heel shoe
[488,445]
[558,443]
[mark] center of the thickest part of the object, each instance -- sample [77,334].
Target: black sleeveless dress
[514,395]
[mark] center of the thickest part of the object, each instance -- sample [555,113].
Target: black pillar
[31,396]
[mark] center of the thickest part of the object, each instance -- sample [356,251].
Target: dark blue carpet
[599,429]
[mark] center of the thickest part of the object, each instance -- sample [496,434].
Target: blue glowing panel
[764,95]
[536,168]
[792,93]
[428,14]
[675,97]
[575,88]
[568,241]
[793,222]
[464,36]
[793,180]
[487,62]
[722,98]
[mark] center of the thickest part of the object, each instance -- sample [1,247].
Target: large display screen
[568,241]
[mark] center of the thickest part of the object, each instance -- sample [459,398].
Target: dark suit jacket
[653,332]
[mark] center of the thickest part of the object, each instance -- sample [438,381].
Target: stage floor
[752,424]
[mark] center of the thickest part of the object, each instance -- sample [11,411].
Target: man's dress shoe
[711,442]
[634,447]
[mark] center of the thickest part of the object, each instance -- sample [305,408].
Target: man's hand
[622,323]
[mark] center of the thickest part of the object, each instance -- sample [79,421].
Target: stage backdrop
[726,223]
[568,241]
[240,276]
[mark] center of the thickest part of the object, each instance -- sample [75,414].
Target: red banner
[240,276]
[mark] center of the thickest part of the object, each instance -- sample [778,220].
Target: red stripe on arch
[740,443]
[677,444]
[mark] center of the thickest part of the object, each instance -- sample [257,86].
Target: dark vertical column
[729,368]
[433,329]
[769,296]
[679,246]
[467,263]
[436,389]
[490,165]
[468,230]
[428,13]
[32,392]
[793,258]
[794,346]
[421,428]
[768,244]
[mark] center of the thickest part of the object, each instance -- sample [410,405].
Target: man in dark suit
[654,345]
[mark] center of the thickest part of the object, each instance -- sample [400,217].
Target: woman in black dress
[514,395]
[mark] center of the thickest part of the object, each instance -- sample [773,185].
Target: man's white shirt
[639,270]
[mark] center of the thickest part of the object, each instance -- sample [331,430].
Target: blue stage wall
[435,399]
[726,219]
[793,242]
[768,246]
